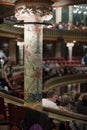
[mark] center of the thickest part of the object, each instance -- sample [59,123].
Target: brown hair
[65,100]
[50,94]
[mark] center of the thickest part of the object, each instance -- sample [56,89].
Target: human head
[65,100]
[77,95]
[84,100]
[52,96]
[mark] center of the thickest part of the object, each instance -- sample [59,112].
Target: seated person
[8,74]
[2,55]
[65,103]
[50,101]
[81,108]
[3,58]
[82,104]
[84,60]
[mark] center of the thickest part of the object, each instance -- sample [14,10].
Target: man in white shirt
[3,58]
[50,101]
[2,55]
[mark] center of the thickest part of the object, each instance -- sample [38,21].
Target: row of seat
[23,118]
[63,63]
[16,85]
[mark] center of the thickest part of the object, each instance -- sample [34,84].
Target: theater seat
[16,115]
[2,109]
[36,120]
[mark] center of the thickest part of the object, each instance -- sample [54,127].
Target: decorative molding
[10,29]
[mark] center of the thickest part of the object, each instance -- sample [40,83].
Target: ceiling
[7,8]
[61,3]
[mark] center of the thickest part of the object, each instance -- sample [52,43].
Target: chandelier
[33,10]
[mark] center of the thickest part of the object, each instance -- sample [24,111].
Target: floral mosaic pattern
[33,63]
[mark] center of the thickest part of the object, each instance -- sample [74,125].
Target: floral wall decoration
[33,63]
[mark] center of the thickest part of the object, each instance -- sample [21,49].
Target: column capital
[70,44]
[33,11]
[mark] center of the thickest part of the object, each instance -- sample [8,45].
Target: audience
[65,26]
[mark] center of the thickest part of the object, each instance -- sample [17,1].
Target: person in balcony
[82,104]
[2,55]
[65,103]
[3,58]
[82,109]
[50,101]
[8,75]
[84,60]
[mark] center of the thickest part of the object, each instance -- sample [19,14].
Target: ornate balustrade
[65,80]
[68,35]
[48,34]
[65,116]
[11,99]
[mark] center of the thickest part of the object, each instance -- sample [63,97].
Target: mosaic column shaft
[33,13]
[70,15]
[33,62]
[58,15]
[21,55]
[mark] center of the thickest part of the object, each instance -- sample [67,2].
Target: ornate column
[21,52]
[58,13]
[78,88]
[33,14]
[70,15]
[69,87]
[70,46]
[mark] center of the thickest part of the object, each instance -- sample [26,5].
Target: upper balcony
[68,35]
[48,33]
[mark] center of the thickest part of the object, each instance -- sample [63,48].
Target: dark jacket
[81,108]
[33,117]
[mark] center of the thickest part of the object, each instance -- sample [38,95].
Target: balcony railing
[51,33]
[65,80]
[68,35]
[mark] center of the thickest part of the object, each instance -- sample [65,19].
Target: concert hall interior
[43,65]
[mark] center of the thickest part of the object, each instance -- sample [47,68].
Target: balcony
[68,35]
[48,34]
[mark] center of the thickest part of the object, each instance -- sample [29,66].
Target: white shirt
[2,55]
[48,103]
